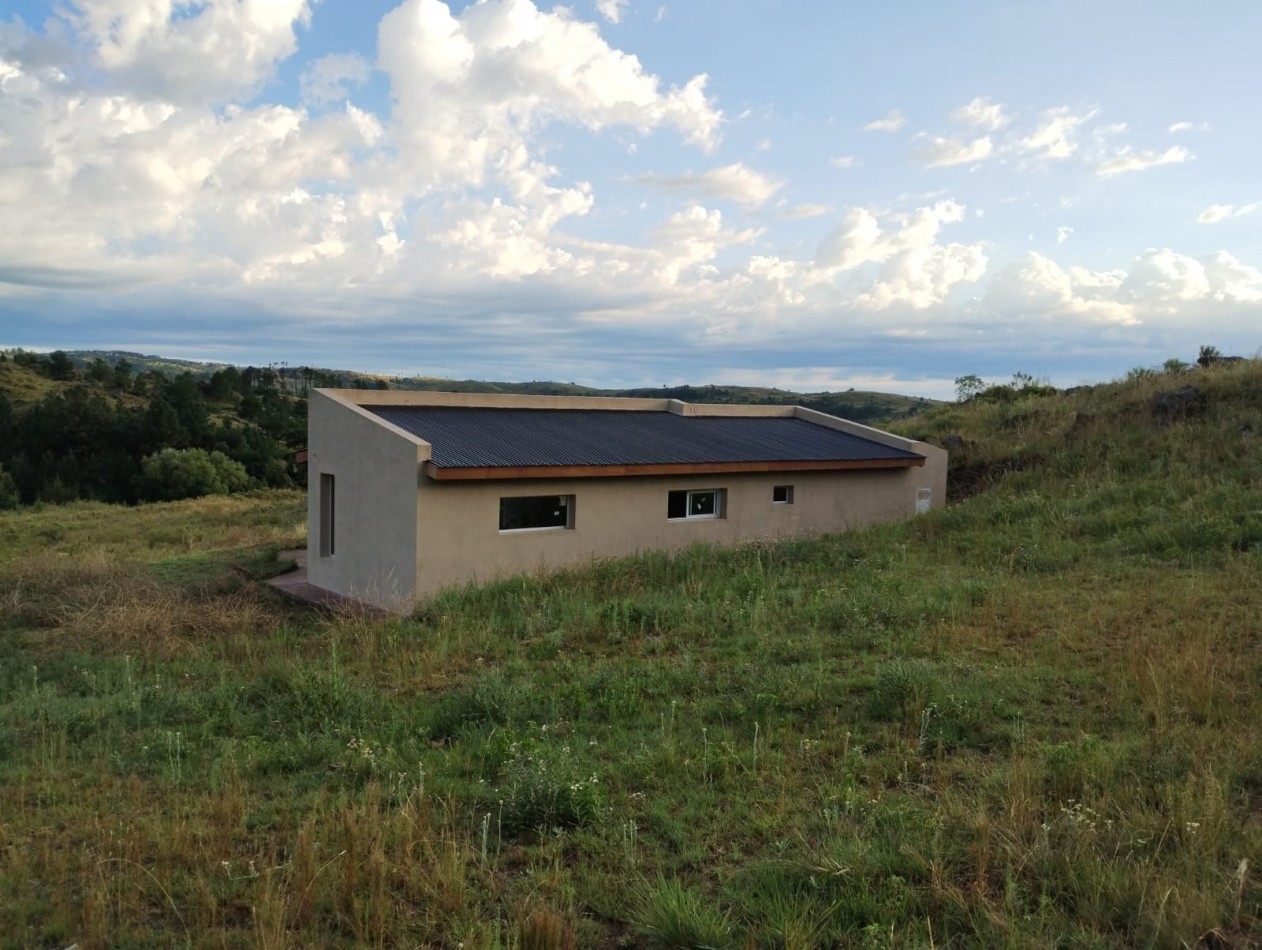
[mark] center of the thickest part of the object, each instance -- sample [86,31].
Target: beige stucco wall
[376,468]
[458,536]
[402,535]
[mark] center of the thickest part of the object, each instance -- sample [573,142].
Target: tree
[1209,356]
[966,387]
[100,370]
[190,473]
[59,365]
[122,374]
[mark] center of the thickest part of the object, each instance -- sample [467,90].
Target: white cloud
[1215,213]
[1056,134]
[942,152]
[983,113]
[890,123]
[1180,127]
[476,85]
[803,211]
[325,80]
[1162,287]
[1128,160]
[916,270]
[1063,233]
[690,240]
[844,161]
[1036,288]
[612,10]
[183,52]
[736,182]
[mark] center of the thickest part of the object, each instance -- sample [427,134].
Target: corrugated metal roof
[475,437]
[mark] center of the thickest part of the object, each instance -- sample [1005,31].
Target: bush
[190,473]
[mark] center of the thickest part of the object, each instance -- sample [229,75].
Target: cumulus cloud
[736,182]
[1128,160]
[890,123]
[1215,213]
[982,113]
[1055,136]
[158,172]
[915,269]
[942,152]
[204,52]
[469,87]
[1036,288]
[327,79]
[611,10]
[1063,233]
[1161,287]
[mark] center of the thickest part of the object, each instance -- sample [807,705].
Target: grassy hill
[1027,720]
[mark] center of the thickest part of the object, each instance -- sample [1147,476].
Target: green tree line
[116,435]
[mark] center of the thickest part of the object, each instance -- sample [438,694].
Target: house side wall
[458,536]
[375,470]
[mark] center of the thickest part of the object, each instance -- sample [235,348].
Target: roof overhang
[486,473]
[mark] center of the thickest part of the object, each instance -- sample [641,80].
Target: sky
[620,193]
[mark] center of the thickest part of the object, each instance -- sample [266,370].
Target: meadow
[1030,719]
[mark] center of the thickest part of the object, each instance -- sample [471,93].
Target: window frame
[788,494]
[328,515]
[562,501]
[720,504]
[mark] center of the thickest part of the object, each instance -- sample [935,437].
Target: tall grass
[1026,720]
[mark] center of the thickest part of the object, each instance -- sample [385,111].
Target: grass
[1027,720]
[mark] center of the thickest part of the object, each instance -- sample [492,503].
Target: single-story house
[411,492]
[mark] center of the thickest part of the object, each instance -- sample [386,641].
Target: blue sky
[816,196]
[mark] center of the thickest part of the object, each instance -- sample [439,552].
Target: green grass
[1027,720]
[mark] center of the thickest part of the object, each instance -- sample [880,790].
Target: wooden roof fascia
[487,473]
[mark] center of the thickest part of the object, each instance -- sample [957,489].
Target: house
[411,492]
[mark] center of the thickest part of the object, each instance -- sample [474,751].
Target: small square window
[695,505]
[782,495]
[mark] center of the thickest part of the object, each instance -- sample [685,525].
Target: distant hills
[859,405]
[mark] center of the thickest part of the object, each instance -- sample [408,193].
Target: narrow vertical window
[327,519]
[924,500]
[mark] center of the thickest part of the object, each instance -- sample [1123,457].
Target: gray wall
[376,469]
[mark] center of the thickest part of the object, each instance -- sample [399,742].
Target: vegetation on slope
[107,433]
[1026,720]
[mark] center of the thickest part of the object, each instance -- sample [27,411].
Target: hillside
[862,406]
[1026,720]
[120,434]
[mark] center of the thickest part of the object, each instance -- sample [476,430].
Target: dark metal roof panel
[478,437]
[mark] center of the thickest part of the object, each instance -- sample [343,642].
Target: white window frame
[788,495]
[720,504]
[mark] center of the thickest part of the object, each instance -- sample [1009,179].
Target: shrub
[190,473]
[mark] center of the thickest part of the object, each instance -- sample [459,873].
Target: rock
[1178,404]
[1080,420]
[953,441]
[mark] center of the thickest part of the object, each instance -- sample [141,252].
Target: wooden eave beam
[484,473]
